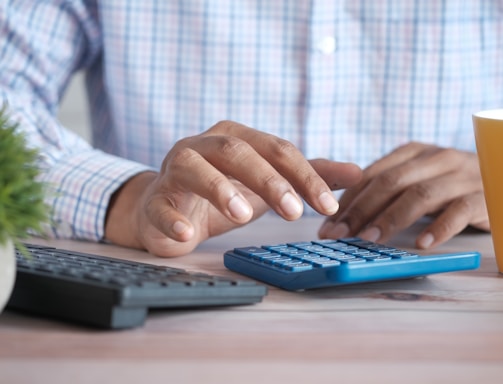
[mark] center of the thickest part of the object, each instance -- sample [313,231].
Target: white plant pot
[7,272]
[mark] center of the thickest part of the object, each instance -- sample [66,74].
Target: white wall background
[74,111]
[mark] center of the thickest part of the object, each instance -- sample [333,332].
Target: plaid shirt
[348,80]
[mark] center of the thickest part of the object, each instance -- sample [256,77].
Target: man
[389,86]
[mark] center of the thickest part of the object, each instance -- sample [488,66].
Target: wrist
[124,210]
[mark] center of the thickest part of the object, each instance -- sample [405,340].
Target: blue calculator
[325,263]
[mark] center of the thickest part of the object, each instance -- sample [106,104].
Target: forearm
[44,43]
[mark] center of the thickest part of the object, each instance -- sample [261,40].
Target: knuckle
[407,146]
[355,218]
[422,192]
[231,146]
[183,155]
[464,205]
[388,180]
[222,125]
[312,186]
[272,182]
[444,228]
[411,146]
[451,155]
[216,185]
[178,157]
[389,221]
[457,217]
[283,148]
[309,181]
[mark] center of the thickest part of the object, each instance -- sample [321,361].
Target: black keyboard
[112,293]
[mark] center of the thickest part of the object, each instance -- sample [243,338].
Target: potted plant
[22,207]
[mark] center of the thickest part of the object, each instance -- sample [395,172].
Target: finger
[251,169]
[284,158]
[169,222]
[374,200]
[188,171]
[337,175]
[399,156]
[184,173]
[415,202]
[466,210]
[291,163]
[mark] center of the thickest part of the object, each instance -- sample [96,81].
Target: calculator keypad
[302,256]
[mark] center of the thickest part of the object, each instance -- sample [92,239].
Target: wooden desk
[445,328]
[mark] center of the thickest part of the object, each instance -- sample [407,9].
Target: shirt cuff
[79,191]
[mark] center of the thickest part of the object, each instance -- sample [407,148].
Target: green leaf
[22,206]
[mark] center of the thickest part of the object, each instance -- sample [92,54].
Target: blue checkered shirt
[347,80]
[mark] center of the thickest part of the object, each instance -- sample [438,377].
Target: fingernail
[239,208]
[426,240]
[328,202]
[180,227]
[334,231]
[370,234]
[290,205]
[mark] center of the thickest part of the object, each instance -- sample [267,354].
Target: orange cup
[488,129]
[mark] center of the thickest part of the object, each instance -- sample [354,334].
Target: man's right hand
[216,181]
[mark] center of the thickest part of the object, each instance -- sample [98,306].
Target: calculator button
[378,258]
[352,260]
[361,252]
[325,262]
[344,257]
[311,256]
[277,260]
[268,258]
[312,248]
[293,252]
[251,251]
[342,247]
[275,247]
[407,255]
[299,244]
[297,267]
[330,253]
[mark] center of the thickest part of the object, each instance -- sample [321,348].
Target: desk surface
[443,328]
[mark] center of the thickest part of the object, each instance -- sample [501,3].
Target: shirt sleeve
[43,44]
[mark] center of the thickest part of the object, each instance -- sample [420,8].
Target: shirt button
[327,45]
